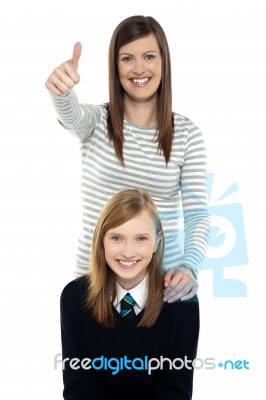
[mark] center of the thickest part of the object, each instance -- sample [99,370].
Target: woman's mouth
[140,82]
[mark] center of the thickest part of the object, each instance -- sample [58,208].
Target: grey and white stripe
[183,180]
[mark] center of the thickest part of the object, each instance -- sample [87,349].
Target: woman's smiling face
[129,249]
[140,68]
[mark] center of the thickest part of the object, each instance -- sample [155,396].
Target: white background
[219,66]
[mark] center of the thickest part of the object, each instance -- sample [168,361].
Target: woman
[119,339]
[135,140]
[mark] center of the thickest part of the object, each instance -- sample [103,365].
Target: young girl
[136,140]
[119,339]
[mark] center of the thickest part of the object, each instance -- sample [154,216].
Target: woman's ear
[159,237]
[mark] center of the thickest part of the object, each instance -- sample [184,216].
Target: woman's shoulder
[103,107]
[180,119]
[185,128]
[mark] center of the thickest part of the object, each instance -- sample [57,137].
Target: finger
[178,294]
[181,288]
[53,89]
[64,77]
[169,277]
[66,74]
[172,289]
[58,83]
[76,55]
[191,294]
[71,73]
[174,280]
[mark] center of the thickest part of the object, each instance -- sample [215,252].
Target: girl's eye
[141,239]
[116,238]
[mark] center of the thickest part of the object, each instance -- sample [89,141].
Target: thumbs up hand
[76,55]
[65,76]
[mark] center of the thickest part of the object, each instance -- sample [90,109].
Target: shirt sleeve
[194,200]
[79,383]
[79,119]
[177,383]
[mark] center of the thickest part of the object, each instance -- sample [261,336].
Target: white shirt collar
[139,293]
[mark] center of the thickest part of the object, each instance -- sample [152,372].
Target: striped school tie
[127,307]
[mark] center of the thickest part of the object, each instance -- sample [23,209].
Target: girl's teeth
[127,263]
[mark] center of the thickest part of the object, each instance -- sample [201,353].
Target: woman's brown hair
[127,31]
[121,208]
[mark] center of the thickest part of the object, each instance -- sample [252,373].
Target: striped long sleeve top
[178,189]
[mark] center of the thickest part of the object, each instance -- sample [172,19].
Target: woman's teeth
[140,81]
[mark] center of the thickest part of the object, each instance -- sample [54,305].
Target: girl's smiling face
[129,249]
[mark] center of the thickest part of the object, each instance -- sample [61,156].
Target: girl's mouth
[127,264]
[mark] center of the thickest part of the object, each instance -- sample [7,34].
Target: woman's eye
[149,57]
[127,59]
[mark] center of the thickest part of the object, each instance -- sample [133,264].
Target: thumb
[76,55]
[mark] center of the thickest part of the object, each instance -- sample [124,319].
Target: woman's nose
[139,67]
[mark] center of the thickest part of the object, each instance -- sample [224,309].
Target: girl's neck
[143,114]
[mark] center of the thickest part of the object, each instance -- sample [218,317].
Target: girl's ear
[159,237]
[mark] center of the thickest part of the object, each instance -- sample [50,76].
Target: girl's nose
[129,250]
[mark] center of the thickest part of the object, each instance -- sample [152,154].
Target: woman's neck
[143,114]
